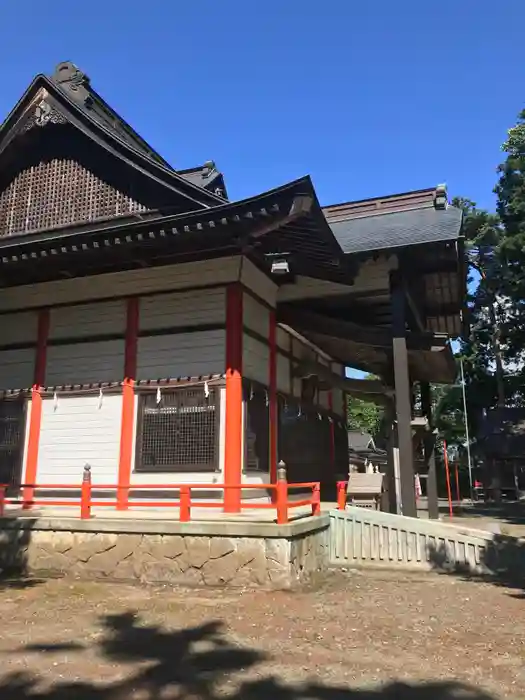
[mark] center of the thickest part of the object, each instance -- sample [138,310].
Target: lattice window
[304,443]
[257,429]
[341,447]
[12,429]
[61,182]
[179,432]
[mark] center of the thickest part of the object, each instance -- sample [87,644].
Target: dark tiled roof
[392,230]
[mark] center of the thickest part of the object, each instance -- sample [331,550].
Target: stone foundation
[193,554]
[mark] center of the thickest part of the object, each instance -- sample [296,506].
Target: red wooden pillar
[128,403]
[233,446]
[272,380]
[35,421]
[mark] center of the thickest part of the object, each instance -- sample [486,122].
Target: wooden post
[233,447]
[316,499]
[332,426]
[35,420]
[403,399]
[128,403]
[282,494]
[85,494]
[429,446]
[341,495]
[185,504]
[447,472]
[272,398]
[458,494]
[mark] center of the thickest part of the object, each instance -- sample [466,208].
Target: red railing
[342,487]
[279,501]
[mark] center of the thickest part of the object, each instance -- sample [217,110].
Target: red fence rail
[279,491]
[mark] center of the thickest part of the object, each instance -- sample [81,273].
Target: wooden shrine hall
[160,333]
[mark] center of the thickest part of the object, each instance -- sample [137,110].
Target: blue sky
[368,97]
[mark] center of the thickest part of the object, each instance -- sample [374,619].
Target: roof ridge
[77,86]
[379,212]
[381,197]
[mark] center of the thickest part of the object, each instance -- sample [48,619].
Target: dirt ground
[361,636]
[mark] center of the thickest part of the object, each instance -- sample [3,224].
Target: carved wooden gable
[53,175]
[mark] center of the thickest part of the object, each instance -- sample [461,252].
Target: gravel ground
[362,636]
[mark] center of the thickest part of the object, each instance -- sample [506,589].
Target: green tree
[510,252]
[364,415]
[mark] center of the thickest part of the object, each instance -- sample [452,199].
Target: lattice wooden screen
[58,182]
[179,432]
[12,422]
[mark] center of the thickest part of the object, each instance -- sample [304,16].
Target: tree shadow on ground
[196,663]
[510,512]
[502,562]
[18,583]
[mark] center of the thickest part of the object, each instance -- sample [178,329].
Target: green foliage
[364,415]
[493,354]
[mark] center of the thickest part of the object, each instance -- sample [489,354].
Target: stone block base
[202,555]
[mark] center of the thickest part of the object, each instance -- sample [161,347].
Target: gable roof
[206,176]
[68,96]
[396,221]
[286,221]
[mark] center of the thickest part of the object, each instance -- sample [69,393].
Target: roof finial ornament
[441,197]
[68,75]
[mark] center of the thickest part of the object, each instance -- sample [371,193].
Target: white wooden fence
[365,537]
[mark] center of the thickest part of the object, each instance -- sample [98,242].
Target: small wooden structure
[365,490]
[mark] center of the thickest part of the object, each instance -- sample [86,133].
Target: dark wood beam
[403,398]
[363,388]
[375,336]
[301,205]
[429,446]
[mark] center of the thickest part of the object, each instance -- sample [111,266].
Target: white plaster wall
[85,320]
[85,363]
[17,368]
[182,355]
[143,281]
[18,327]
[256,316]
[283,373]
[79,430]
[256,358]
[176,309]
[284,340]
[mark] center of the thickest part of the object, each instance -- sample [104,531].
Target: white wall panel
[255,360]
[17,368]
[337,394]
[182,355]
[256,280]
[324,400]
[79,430]
[256,316]
[18,327]
[284,340]
[194,308]
[302,351]
[130,282]
[84,320]
[337,398]
[283,374]
[85,363]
